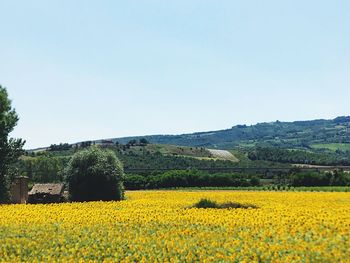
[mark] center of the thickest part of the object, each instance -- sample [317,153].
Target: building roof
[52,189]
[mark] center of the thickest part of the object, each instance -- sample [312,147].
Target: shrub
[235,205]
[255,181]
[93,175]
[134,182]
[207,203]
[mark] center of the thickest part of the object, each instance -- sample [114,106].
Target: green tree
[131,143]
[144,141]
[94,174]
[47,169]
[10,149]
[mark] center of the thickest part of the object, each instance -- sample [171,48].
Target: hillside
[313,135]
[153,159]
[317,142]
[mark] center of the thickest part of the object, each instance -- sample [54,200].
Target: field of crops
[159,226]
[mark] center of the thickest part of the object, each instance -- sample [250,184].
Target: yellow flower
[159,226]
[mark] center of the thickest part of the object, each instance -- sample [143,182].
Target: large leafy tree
[94,175]
[10,149]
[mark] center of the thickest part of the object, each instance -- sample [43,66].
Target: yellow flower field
[159,226]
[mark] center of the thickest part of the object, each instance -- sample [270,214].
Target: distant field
[332,146]
[224,155]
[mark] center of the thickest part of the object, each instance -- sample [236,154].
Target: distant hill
[199,153]
[321,134]
[315,142]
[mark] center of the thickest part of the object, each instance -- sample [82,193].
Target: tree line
[195,178]
[297,156]
[188,178]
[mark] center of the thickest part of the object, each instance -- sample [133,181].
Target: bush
[134,182]
[207,203]
[94,175]
[255,181]
[235,205]
[310,179]
[335,178]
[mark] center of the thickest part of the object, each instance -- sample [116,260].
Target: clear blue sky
[80,70]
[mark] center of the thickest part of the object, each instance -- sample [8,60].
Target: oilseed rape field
[162,226]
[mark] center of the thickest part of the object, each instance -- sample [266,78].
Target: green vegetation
[60,147]
[141,149]
[344,147]
[278,188]
[195,178]
[43,168]
[10,149]
[48,166]
[322,189]
[288,135]
[137,158]
[264,154]
[158,161]
[335,178]
[189,178]
[147,168]
[94,175]
[207,203]
[297,156]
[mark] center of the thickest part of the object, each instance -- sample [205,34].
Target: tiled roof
[53,189]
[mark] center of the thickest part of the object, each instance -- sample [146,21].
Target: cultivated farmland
[162,226]
[223,154]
